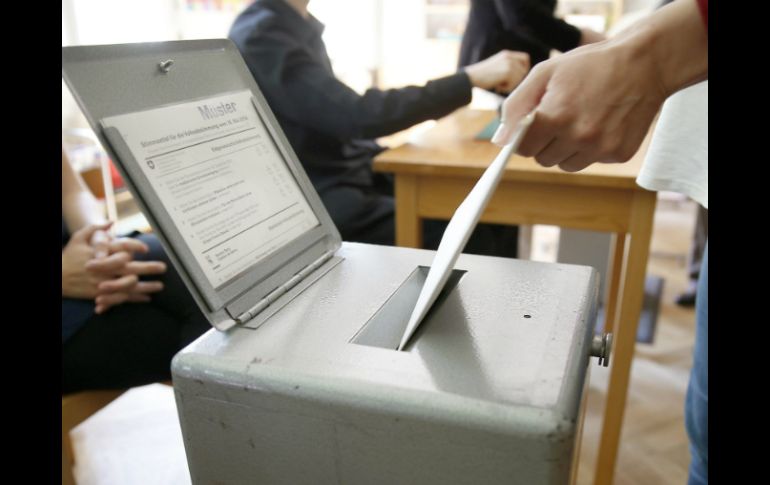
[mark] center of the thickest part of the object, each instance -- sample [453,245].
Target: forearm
[381,113]
[676,39]
[302,90]
[78,205]
[81,209]
[331,108]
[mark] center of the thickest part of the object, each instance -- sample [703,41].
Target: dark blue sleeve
[303,90]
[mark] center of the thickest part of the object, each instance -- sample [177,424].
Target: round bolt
[165,66]
[601,346]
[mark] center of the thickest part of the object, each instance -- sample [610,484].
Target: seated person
[520,25]
[125,312]
[332,128]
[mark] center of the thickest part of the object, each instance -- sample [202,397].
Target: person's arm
[679,39]
[304,91]
[597,102]
[80,208]
[94,265]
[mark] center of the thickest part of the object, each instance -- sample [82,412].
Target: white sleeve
[677,159]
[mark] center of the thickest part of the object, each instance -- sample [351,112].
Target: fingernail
[499,137]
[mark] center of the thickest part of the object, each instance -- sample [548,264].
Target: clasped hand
[97,266]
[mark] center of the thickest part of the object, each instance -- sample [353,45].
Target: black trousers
[132,344]
[367,215]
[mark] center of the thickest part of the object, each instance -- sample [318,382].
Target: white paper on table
[459,230]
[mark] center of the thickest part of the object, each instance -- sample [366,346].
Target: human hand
[121,273]
[588,36]
[501,72]
[76,282]
[100,240]
[594,103]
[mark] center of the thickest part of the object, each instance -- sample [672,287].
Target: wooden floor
[140,427]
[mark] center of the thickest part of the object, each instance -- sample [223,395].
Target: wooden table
[437,169]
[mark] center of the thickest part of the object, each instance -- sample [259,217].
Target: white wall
[634,5]
[367,40]
[117,22]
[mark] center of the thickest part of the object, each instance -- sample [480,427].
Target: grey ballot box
[300,383]
[488,391]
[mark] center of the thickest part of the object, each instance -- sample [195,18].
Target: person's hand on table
[119,275]
[501,72]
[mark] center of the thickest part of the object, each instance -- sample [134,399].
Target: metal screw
[601,348]
[165,66]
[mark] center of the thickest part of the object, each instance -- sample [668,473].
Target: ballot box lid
[208,164]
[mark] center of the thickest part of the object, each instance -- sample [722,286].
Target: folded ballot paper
[459,230]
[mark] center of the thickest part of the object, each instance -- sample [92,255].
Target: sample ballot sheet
[221,178]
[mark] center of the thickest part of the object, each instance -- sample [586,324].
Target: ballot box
[300,380]
[488,391]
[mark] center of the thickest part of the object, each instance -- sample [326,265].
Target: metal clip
[165,66]
[601,348]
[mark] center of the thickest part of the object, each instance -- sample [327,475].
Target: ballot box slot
[386,327]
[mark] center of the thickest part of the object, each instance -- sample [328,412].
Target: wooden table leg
[624,329]
[614,271]
[408,223]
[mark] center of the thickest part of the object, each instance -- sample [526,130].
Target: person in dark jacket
[519,25]
[332,128]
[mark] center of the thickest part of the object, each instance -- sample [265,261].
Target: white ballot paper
[459,230]
[221,179]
